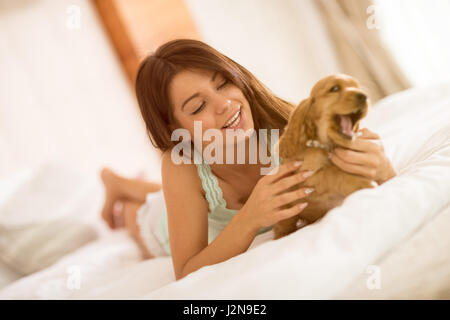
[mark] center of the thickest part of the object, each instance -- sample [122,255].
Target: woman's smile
[237,121]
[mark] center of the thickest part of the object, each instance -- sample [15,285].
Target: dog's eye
[335,89]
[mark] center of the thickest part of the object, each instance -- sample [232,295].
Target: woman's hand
[366,158]
[262,208]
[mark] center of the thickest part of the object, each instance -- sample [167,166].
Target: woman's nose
[225,106]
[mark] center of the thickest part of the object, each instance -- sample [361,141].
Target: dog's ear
[300,128]
[302,121]
[309,126]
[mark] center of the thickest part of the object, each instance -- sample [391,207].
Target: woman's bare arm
[234,239]
[187,212]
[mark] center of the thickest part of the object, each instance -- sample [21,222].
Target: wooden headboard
[138,27]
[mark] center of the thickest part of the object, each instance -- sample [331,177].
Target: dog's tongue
[346,125]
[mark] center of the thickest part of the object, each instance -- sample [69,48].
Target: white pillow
[40,221]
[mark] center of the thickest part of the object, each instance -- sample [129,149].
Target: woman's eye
[203,104]
[223,84]
[335,89]
[199,109]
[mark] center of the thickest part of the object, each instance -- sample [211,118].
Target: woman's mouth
[235,121]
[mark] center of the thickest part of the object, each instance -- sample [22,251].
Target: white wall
[418,34]
[283,43]
[63,94]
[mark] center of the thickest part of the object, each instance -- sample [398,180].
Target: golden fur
[318,117]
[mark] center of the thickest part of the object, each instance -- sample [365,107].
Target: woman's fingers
[355,157]
[362,145]
[290,181]
[294,210]
[288,197]
[368,142]
[278,172]
[367,172]
[367,134]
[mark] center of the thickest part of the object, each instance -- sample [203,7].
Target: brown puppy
[328,118]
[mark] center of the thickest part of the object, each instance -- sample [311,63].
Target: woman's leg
[118,188]
[135,189]
[129,210]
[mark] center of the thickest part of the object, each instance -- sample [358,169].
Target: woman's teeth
[233,121]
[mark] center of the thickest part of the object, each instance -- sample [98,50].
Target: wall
[283,43]
[64,96]
[417,33]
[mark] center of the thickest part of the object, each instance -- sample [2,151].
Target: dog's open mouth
[346,122]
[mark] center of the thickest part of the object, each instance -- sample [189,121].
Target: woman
[214,211]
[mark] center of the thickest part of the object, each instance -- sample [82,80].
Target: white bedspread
[379,227]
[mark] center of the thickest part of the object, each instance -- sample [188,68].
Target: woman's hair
[158,69]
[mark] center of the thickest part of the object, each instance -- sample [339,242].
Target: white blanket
[323,260]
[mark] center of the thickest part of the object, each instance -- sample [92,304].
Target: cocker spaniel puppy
[328,118]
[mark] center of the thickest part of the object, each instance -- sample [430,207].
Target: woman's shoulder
[174,172]
[171,164]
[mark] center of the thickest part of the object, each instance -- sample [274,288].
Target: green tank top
[219,215]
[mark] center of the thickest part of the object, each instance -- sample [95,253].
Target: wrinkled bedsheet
[397,233]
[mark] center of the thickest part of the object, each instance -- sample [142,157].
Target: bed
[391,242]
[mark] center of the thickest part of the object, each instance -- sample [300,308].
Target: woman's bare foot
[119,189]
[112,195]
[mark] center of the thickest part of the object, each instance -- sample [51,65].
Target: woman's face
[208,97]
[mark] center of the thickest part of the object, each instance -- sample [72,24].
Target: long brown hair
[157,70]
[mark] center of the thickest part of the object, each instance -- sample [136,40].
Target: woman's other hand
[365,157]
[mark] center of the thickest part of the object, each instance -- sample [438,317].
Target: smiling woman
[187,82]
[180,66]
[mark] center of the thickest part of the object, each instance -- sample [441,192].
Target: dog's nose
[361,97]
